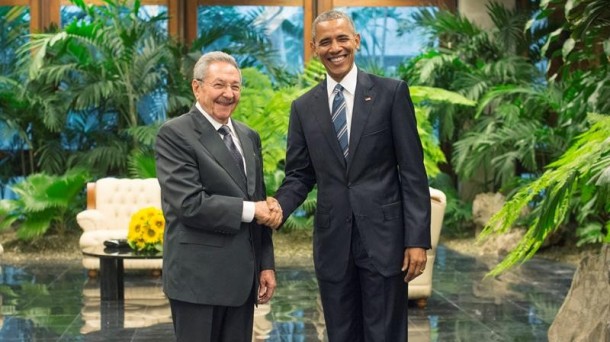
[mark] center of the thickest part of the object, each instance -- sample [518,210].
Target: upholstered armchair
[420,288]
[110,204]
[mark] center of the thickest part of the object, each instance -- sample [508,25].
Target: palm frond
[422,94]
[313,74]
[445,23]
[492,97]
[553,189]
[52,157]
[509,24]
[43,200]
[142,165]
[431,64]
[144,135]
[105,158]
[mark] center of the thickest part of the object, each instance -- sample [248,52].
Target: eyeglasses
[218,85]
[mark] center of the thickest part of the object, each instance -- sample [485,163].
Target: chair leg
[422,303]
[92,273]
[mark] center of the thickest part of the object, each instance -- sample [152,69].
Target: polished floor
[57,302]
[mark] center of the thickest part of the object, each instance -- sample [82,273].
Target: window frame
[182,23]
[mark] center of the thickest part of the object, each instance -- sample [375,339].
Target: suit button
[348,219]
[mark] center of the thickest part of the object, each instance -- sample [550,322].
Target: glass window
[262,36]
[152,106]
[70,13]
[382,48]
[14,28]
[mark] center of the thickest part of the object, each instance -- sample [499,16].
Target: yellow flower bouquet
[146,229]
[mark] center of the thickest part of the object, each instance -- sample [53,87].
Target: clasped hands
[268,213]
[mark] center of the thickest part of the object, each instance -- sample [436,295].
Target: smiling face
[218,93]
[336,44]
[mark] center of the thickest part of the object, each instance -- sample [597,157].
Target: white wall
[476,10]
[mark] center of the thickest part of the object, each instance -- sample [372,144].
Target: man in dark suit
[359,143]
[217,262]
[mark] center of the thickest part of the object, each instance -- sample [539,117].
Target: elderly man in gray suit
[217,256]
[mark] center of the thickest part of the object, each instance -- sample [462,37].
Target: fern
[587,161]
[43,202]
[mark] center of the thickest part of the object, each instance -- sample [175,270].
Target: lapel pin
[368,98]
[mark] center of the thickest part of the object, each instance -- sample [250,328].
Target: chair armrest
[90,220]
[438,204]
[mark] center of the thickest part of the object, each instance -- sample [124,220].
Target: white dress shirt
[247,214]
[349,89]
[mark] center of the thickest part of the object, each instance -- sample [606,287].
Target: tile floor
[57,302]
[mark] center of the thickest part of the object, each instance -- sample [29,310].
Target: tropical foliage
[575,188]
[15,152]
[13,30]
[509,133]
[44,202]
[87,83]
[244,35]
[530,135]
[423,98]
[582,175]
[95,93]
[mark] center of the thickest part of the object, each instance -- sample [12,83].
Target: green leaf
[550,39]
[568,46]
[35,225]
[569,4]
[556,187]
[421,93]
[604,177]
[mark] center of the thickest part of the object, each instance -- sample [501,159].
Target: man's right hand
[268,212]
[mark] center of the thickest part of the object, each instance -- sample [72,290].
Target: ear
[195,86]
[312,45]
[357,39]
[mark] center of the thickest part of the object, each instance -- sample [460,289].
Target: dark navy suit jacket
[382,185]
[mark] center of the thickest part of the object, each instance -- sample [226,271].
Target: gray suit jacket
[382,185]
[209,255]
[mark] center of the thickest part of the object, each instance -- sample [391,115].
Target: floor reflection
[57,302]
[145,305]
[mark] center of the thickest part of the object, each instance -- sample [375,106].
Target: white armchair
[420,288]
[110,204]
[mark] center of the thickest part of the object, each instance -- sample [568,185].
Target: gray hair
[328,16]
[201,67]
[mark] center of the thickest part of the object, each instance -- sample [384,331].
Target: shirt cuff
[247,214]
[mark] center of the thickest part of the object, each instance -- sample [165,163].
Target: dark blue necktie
[339,117]
[225,131]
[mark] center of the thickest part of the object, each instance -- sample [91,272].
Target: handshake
[268,213]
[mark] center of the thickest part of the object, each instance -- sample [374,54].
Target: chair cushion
[116,199]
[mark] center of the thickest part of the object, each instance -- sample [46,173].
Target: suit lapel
[363,105]
[324,120]
[212,142]
[249,156]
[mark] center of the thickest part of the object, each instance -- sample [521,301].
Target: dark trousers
[212,323]
[364,306]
